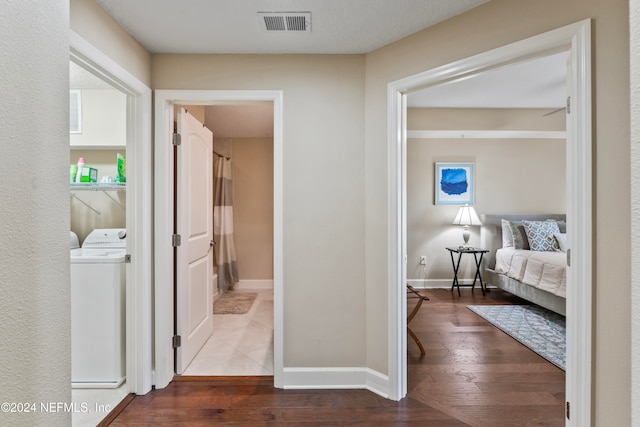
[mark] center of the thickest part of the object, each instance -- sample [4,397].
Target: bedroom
[519,160]
[527,189]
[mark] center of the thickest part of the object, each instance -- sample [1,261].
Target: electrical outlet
[423,259]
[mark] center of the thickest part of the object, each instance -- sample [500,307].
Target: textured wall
[634,14]
[34,212]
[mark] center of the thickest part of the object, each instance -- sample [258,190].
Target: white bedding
[543,270]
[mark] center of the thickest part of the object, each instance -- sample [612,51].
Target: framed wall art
[454,183]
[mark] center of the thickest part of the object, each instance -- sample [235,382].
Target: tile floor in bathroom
[241,344]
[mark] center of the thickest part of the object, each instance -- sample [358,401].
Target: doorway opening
[576,39]
[165,103]
[240,339]
[92,63]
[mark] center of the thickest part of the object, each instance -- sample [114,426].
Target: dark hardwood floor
[472,375]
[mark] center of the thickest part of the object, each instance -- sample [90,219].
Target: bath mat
[234,302]
[537,328]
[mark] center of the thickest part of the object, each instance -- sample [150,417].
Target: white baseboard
[436,283]
[254,284]
[440,283]
[336,378]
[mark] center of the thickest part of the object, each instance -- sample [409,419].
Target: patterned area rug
[234,302]
[541,330]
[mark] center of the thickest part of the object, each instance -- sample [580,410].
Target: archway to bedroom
[443,134]
[507,128]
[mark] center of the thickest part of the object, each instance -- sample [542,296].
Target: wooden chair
[414,293]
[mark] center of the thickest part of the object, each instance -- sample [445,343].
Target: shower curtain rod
[220,155]
[214,151]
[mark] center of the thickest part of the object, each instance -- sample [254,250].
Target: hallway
[473,375]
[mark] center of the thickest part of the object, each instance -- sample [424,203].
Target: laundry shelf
[98,186]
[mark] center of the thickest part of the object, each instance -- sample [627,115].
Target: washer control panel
[106,238]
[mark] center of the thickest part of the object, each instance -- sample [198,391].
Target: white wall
[34,255]
[511,176]
[104,119]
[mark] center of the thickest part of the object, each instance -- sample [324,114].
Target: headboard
[491,231]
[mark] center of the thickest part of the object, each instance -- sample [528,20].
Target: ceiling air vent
[286,21]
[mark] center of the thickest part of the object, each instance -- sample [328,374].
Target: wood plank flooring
[472,375]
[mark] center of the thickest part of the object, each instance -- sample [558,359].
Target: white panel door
[194,223]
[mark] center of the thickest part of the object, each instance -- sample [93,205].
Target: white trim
[254,284]
[486,134]
[139,208]
[579,230]
[336,378]
[164,100]
[575,38]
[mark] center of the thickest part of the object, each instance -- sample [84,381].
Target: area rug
[541,330]
[234,302]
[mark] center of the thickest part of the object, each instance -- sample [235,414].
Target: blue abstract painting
[454,183]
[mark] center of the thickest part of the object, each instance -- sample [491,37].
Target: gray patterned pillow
[540,235]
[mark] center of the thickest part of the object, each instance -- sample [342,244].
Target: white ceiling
[233,26]
[337,27]
[535,83]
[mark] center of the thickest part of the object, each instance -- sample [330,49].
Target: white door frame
[139,213]
[163,226]
[575,38]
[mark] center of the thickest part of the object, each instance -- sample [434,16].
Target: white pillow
[561,239]
[507,237]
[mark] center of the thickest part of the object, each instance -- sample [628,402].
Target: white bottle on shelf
[80,166]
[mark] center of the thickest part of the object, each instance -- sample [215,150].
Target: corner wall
[97,27]
[35,306]
[323,207]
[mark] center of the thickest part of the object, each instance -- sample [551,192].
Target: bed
[534,271]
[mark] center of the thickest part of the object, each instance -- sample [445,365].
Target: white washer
[98,310]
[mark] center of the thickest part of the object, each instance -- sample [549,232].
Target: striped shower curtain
[223,225]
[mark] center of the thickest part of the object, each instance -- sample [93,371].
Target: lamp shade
[467,216]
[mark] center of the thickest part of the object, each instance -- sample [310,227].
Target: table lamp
[467,217]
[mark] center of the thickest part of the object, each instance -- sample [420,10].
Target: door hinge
[176,240]
[568,105]
[176,139]
[568,257]
[568,413]
[177,341]
[127,259]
